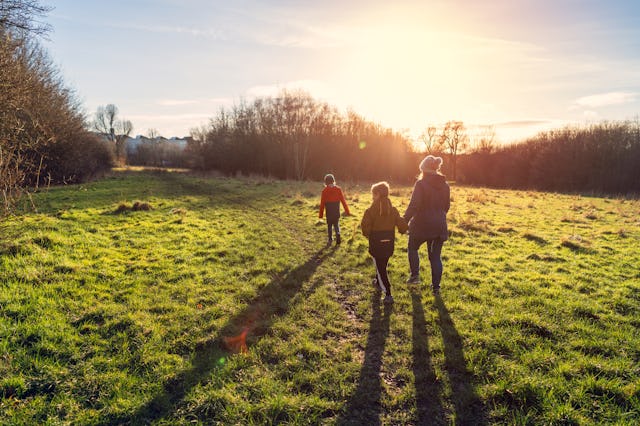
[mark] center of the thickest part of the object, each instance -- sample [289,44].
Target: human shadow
[469,409]
[428,404]
[364,406]
[245,328]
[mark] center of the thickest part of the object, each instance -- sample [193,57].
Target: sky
[515,67]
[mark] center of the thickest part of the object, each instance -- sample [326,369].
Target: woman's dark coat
[427,210]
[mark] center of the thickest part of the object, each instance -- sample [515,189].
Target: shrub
[42,133]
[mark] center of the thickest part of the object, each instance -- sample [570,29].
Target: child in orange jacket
[331,198]
[379,224]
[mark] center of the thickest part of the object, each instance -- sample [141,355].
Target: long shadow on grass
[364,407]
[428,403]
[253,322]
[468,406]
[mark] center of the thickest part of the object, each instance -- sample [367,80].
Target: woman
[427,217]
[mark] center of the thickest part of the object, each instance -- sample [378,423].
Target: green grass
[124,301]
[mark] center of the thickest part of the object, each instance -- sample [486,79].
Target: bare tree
[299,112]
[432,142]
[455,139]
[20,16]
[485,142]
[106,122]
[153,133]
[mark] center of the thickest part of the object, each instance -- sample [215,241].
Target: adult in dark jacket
[427,217]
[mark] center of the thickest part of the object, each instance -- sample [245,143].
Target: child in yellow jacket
[378,224]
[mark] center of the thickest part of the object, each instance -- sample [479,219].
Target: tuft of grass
[479,197]
[137,206]
[122,208]
[591,215]
[577,244]
[545,257]
[178,211]
[13,388]
[44,241]
[141,206]
[14,249]
[535,238]
[468,223]
[570,219]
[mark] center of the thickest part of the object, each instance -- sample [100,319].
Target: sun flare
[411,77]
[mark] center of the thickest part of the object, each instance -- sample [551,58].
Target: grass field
[163,298]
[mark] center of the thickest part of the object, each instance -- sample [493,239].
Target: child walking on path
[331,198]
[379,224]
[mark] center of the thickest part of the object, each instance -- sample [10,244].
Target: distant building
[132,144]
[156,152]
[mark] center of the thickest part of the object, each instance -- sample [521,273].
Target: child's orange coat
[331,196]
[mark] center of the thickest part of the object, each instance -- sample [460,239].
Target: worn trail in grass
[221,304]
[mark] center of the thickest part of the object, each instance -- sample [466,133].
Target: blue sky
[518,65]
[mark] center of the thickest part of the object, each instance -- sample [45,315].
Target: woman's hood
[435,181]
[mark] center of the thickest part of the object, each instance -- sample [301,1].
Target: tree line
[43,134]
[600,158]
[294,136]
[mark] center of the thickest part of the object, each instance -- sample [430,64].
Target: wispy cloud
[604,99]
[286,34]
[171,117]
[169,124]
[316,88]
[199,101]
[213,33]
[520,130]
[591,115]
[176,102]
[523,123]
[291,35]
[286,26]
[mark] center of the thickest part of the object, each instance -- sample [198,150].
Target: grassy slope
[134,317]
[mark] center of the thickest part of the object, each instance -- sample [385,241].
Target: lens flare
[237,344]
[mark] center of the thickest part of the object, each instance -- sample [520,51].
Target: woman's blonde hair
[430,164]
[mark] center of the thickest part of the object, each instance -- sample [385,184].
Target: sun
[412,68]
[404,76]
